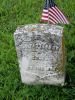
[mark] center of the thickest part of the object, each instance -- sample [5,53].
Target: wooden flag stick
[48,9]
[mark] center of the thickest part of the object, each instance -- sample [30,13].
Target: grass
[19,12]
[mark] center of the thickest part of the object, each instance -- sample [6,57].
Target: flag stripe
[54,13]
[60,15]
[54,9]
[43,18]
[45,14]
[66,21]
[46,11]
[53,19]
[50,20]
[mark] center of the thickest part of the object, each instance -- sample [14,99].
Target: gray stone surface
[40,53]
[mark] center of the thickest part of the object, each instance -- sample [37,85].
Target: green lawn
[19,12]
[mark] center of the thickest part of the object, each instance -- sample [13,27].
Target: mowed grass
[19,12]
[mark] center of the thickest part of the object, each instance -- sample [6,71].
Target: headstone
[40,53]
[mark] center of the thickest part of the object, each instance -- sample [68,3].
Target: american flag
[52,14]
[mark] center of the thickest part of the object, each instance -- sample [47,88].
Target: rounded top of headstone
[46,28]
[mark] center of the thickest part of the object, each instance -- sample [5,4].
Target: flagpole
[48,10]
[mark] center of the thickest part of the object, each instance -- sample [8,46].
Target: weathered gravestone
[40,53]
